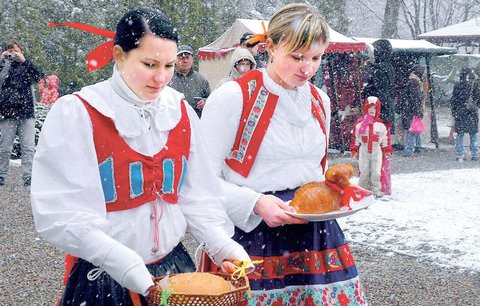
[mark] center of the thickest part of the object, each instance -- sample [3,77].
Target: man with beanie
[189,82]
[17,109]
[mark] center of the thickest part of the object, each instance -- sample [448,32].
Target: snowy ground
[431,215]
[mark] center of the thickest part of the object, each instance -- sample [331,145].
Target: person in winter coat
[17,109]
[241,62]
[464,102]
[413,106]
[381,81]
[370,142]
[191,83]
[120,172]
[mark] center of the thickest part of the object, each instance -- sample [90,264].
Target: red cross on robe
[371,138]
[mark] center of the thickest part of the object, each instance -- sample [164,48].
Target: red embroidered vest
[130,179]
[258,108]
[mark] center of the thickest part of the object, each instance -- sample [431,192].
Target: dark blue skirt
[306,263]
[104,290]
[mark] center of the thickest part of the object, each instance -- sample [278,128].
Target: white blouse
[290,153]
[68,202]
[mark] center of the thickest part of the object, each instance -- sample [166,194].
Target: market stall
[466,33]
[406,52]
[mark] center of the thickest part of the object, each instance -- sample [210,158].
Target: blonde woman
[267,134]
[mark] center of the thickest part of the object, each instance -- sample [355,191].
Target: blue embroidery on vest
[107,176]
[136,179]
[252,84]
[168,176]
[252,122]
[184,169]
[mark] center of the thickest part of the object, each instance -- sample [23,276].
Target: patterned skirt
[104,290]
[306,264]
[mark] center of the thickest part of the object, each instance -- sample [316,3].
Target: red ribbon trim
[101,55]
[85,27]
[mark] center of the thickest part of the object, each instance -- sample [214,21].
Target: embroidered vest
[130,179]
[258,108]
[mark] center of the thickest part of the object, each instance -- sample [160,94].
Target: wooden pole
[433,116]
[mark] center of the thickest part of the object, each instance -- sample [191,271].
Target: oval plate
[342,212]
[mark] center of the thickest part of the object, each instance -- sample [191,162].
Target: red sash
[258,108]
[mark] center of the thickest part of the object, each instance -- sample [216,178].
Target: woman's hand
[228,267]
[272,210]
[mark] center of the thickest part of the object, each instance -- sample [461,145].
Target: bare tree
[414,16]
[390,19]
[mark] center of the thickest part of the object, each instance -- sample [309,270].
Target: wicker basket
[231,298]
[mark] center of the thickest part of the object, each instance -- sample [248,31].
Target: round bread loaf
[198,283]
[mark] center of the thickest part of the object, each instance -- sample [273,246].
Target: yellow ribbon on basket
[241,271]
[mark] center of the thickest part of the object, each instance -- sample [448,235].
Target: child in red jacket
[370,141]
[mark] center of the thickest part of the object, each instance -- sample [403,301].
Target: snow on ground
[430,215]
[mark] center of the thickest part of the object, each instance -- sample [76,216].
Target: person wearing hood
[369,144]
[465,101]
[241,62]
[380,81]
[120,173]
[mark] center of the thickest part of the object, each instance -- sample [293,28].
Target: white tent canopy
[214,58]
[467,31]
[422,47]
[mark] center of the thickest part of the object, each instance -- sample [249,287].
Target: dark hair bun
[138,22]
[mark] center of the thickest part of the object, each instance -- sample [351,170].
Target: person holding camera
[17,117]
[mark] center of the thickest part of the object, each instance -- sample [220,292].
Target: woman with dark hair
[465,102]
[120,173]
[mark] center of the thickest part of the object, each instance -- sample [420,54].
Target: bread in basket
[201,289]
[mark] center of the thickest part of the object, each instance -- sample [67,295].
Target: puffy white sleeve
[67,197]
[201,200]
[219,123]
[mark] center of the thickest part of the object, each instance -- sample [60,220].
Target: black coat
[411,101]
[466,118]
[380,83]
[16,100]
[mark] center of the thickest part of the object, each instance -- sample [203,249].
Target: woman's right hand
[272,210]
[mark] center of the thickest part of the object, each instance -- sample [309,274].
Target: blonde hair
[298,25]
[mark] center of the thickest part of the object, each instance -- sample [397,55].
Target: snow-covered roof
[231,38]
[461,32]
[421,47]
